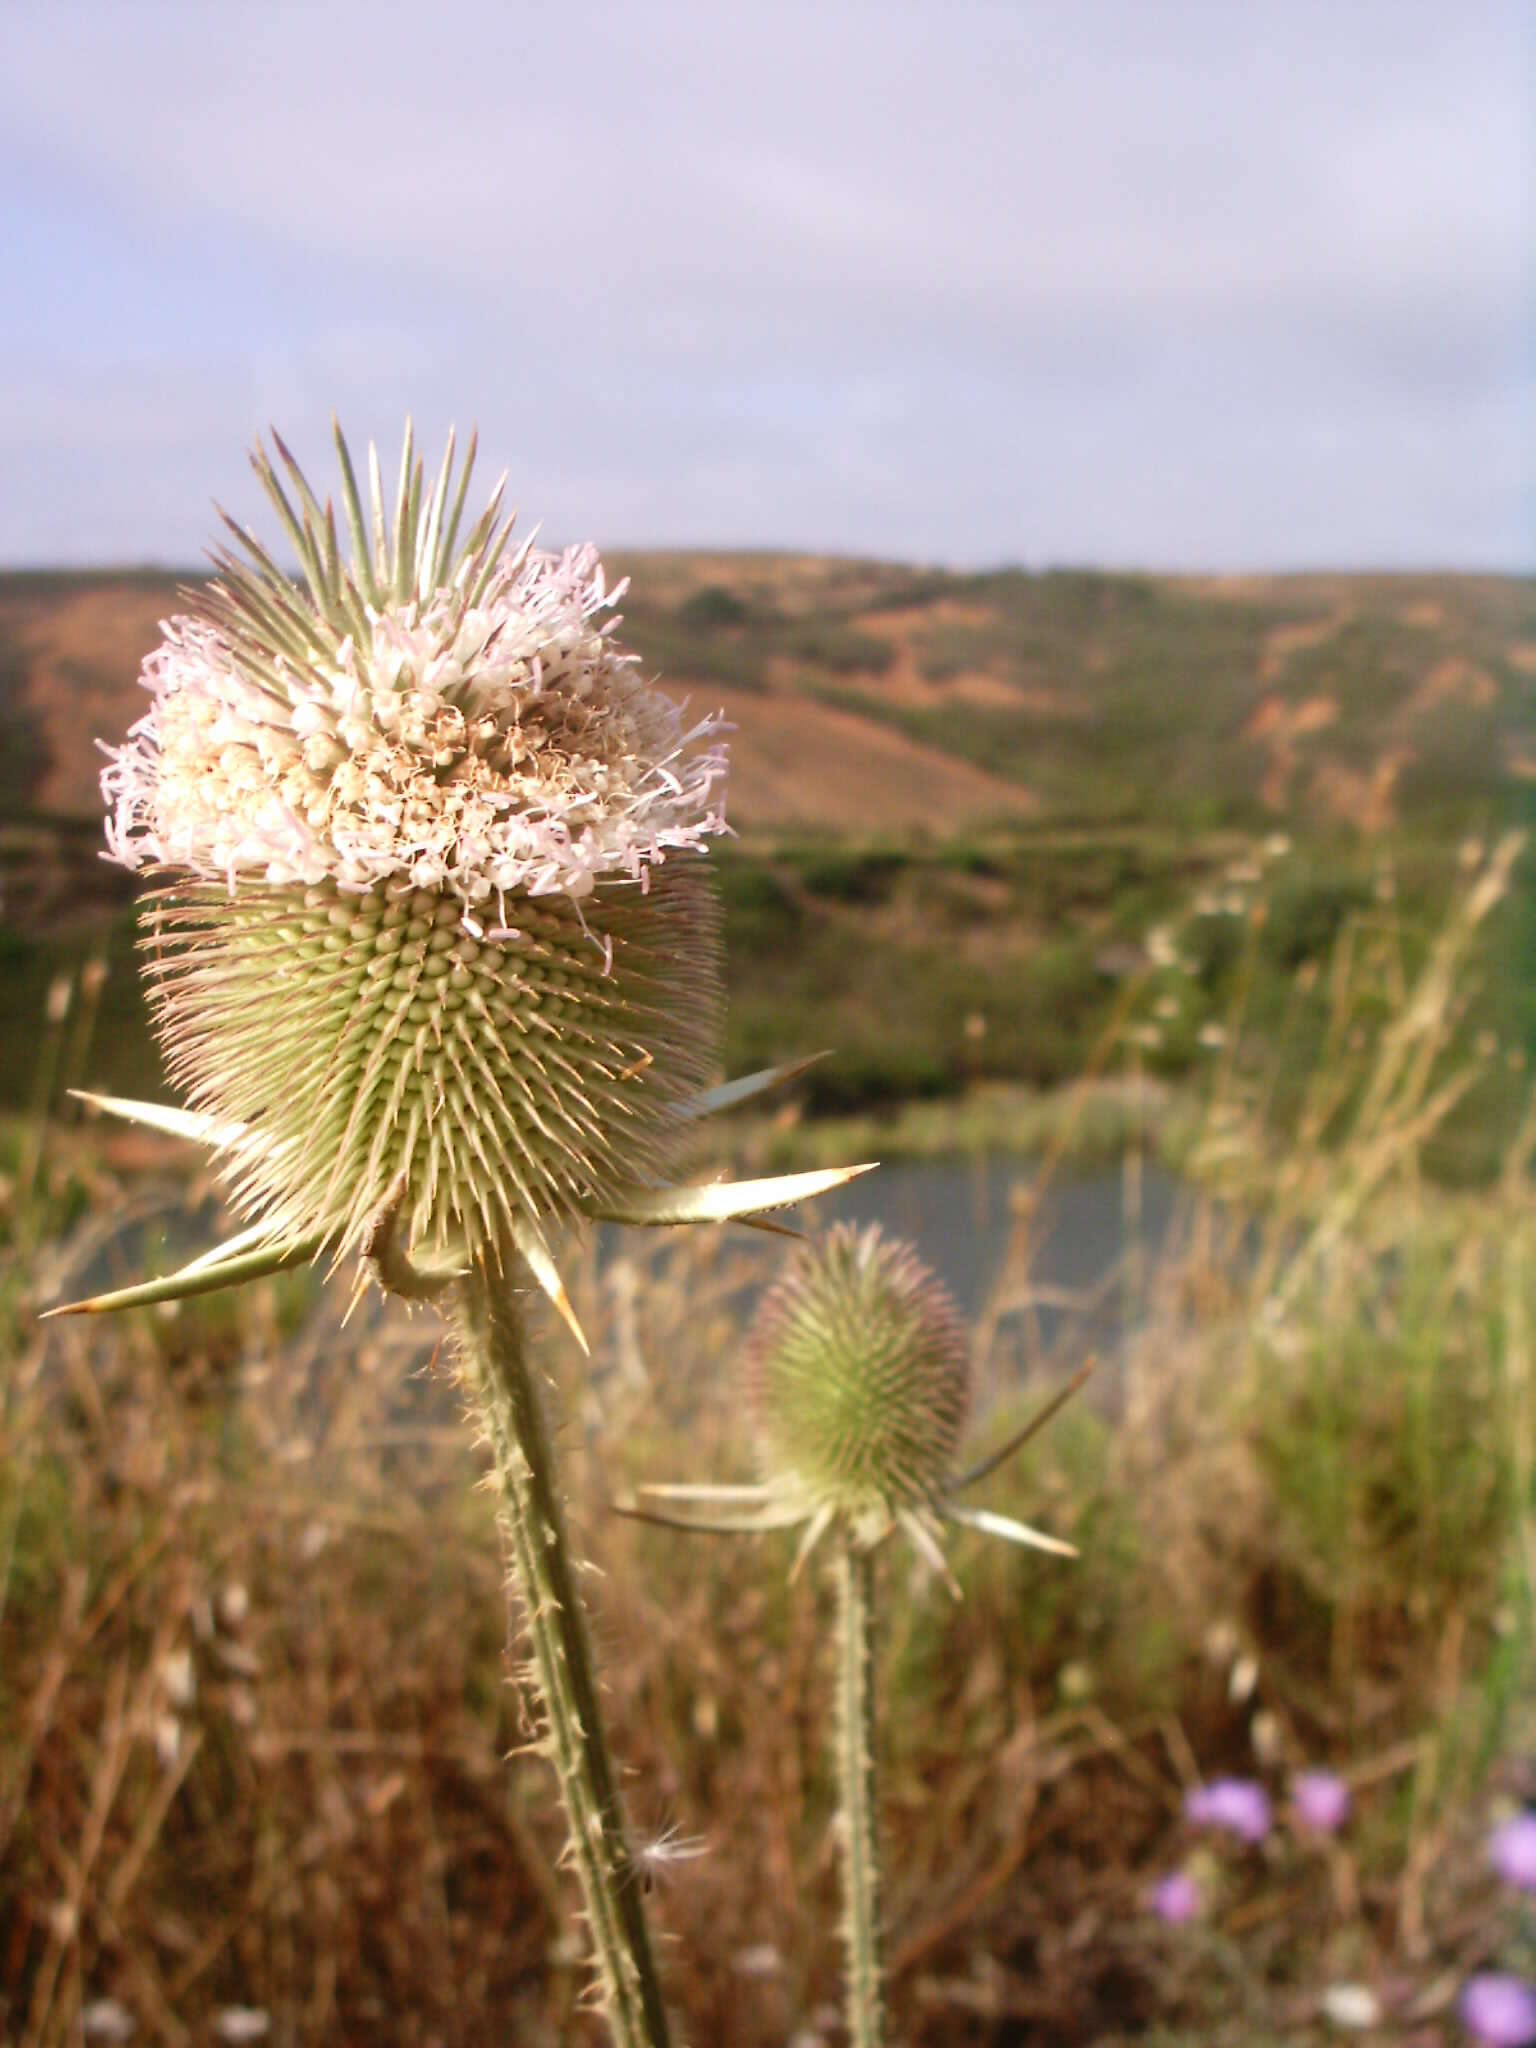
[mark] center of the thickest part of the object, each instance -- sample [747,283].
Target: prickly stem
[858,1833]
[541,1576]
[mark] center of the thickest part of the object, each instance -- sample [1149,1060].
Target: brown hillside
[795,762]
[872,699]
[81,649]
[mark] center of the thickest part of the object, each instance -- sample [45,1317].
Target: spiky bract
[859,1376]
[361,1039]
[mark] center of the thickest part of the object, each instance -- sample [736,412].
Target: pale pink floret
[1499,2010]
[1237,1805]
[1177,1898]
[1512,1851]
[1320,1800]
[505,748]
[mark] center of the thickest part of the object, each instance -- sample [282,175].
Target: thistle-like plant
[438,969]
[859,1384]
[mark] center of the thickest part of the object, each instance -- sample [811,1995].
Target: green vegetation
[1013,957]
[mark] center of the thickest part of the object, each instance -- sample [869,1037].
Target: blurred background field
[1175,941]
[989,792]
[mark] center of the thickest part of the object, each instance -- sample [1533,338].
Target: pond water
[960,1214]
[1059,1260]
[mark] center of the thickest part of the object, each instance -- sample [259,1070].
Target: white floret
[502,748]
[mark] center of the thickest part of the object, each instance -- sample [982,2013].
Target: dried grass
[254,1692]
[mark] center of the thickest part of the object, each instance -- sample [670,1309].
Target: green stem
[491,1337]
[858,1838]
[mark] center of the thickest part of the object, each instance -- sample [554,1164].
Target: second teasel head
[859,1381]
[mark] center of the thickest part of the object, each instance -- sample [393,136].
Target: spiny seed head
[442,911]
[859,1378]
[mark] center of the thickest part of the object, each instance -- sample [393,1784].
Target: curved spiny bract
[859,1378]
[512,1079]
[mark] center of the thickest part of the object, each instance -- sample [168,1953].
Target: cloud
[955,282]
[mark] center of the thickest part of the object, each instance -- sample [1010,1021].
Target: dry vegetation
[255,1683]
[255,1686]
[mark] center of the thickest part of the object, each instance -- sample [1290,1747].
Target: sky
[1186,287]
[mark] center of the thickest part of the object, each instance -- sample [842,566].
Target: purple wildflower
[1499,2010]
[1176,1898]
[1236,1804]
[1512,1851]
[1320,1800]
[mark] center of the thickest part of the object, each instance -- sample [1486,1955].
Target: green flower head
[858,1380]
[858,1372]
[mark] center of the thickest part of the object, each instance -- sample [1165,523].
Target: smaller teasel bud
[859,1379]
[859,1384]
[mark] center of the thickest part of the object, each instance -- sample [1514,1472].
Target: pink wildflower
[1177,1898]
[1320,1800]
[1512,1851]
[1499,2010]
[1238,1805]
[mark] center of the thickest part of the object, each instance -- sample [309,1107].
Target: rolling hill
[976,794]
[872,700]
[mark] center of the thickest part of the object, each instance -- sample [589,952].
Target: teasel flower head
[433,713]
[439,946]
[858,1381]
